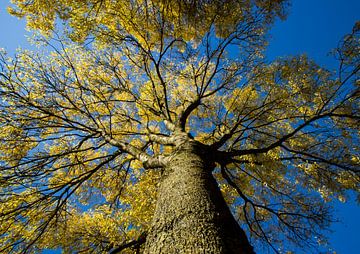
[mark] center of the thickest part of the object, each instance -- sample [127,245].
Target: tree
[158,126]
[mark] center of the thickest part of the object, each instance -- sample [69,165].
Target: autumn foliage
[88,126]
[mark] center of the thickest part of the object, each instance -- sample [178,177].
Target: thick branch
[176,139]
[162,139]
[184,116]
[135,244]
[147,160]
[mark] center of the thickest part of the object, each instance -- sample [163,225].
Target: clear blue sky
[313,27]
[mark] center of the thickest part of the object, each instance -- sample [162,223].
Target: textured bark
[191,215]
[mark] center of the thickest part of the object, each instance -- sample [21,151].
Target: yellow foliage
[76,121]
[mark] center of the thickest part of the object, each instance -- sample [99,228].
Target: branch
[169,125]
[176,139]
[147,160]
[320,159]
[280,141]
[186,113]
[132,244]
[246,200]
[162,139]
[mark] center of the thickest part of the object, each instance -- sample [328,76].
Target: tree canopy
[87,126]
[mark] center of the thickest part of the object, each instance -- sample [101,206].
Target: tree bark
[191,215]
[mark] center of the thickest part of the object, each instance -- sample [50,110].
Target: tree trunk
[191,215]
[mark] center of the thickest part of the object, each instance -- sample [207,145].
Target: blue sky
[313,27]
